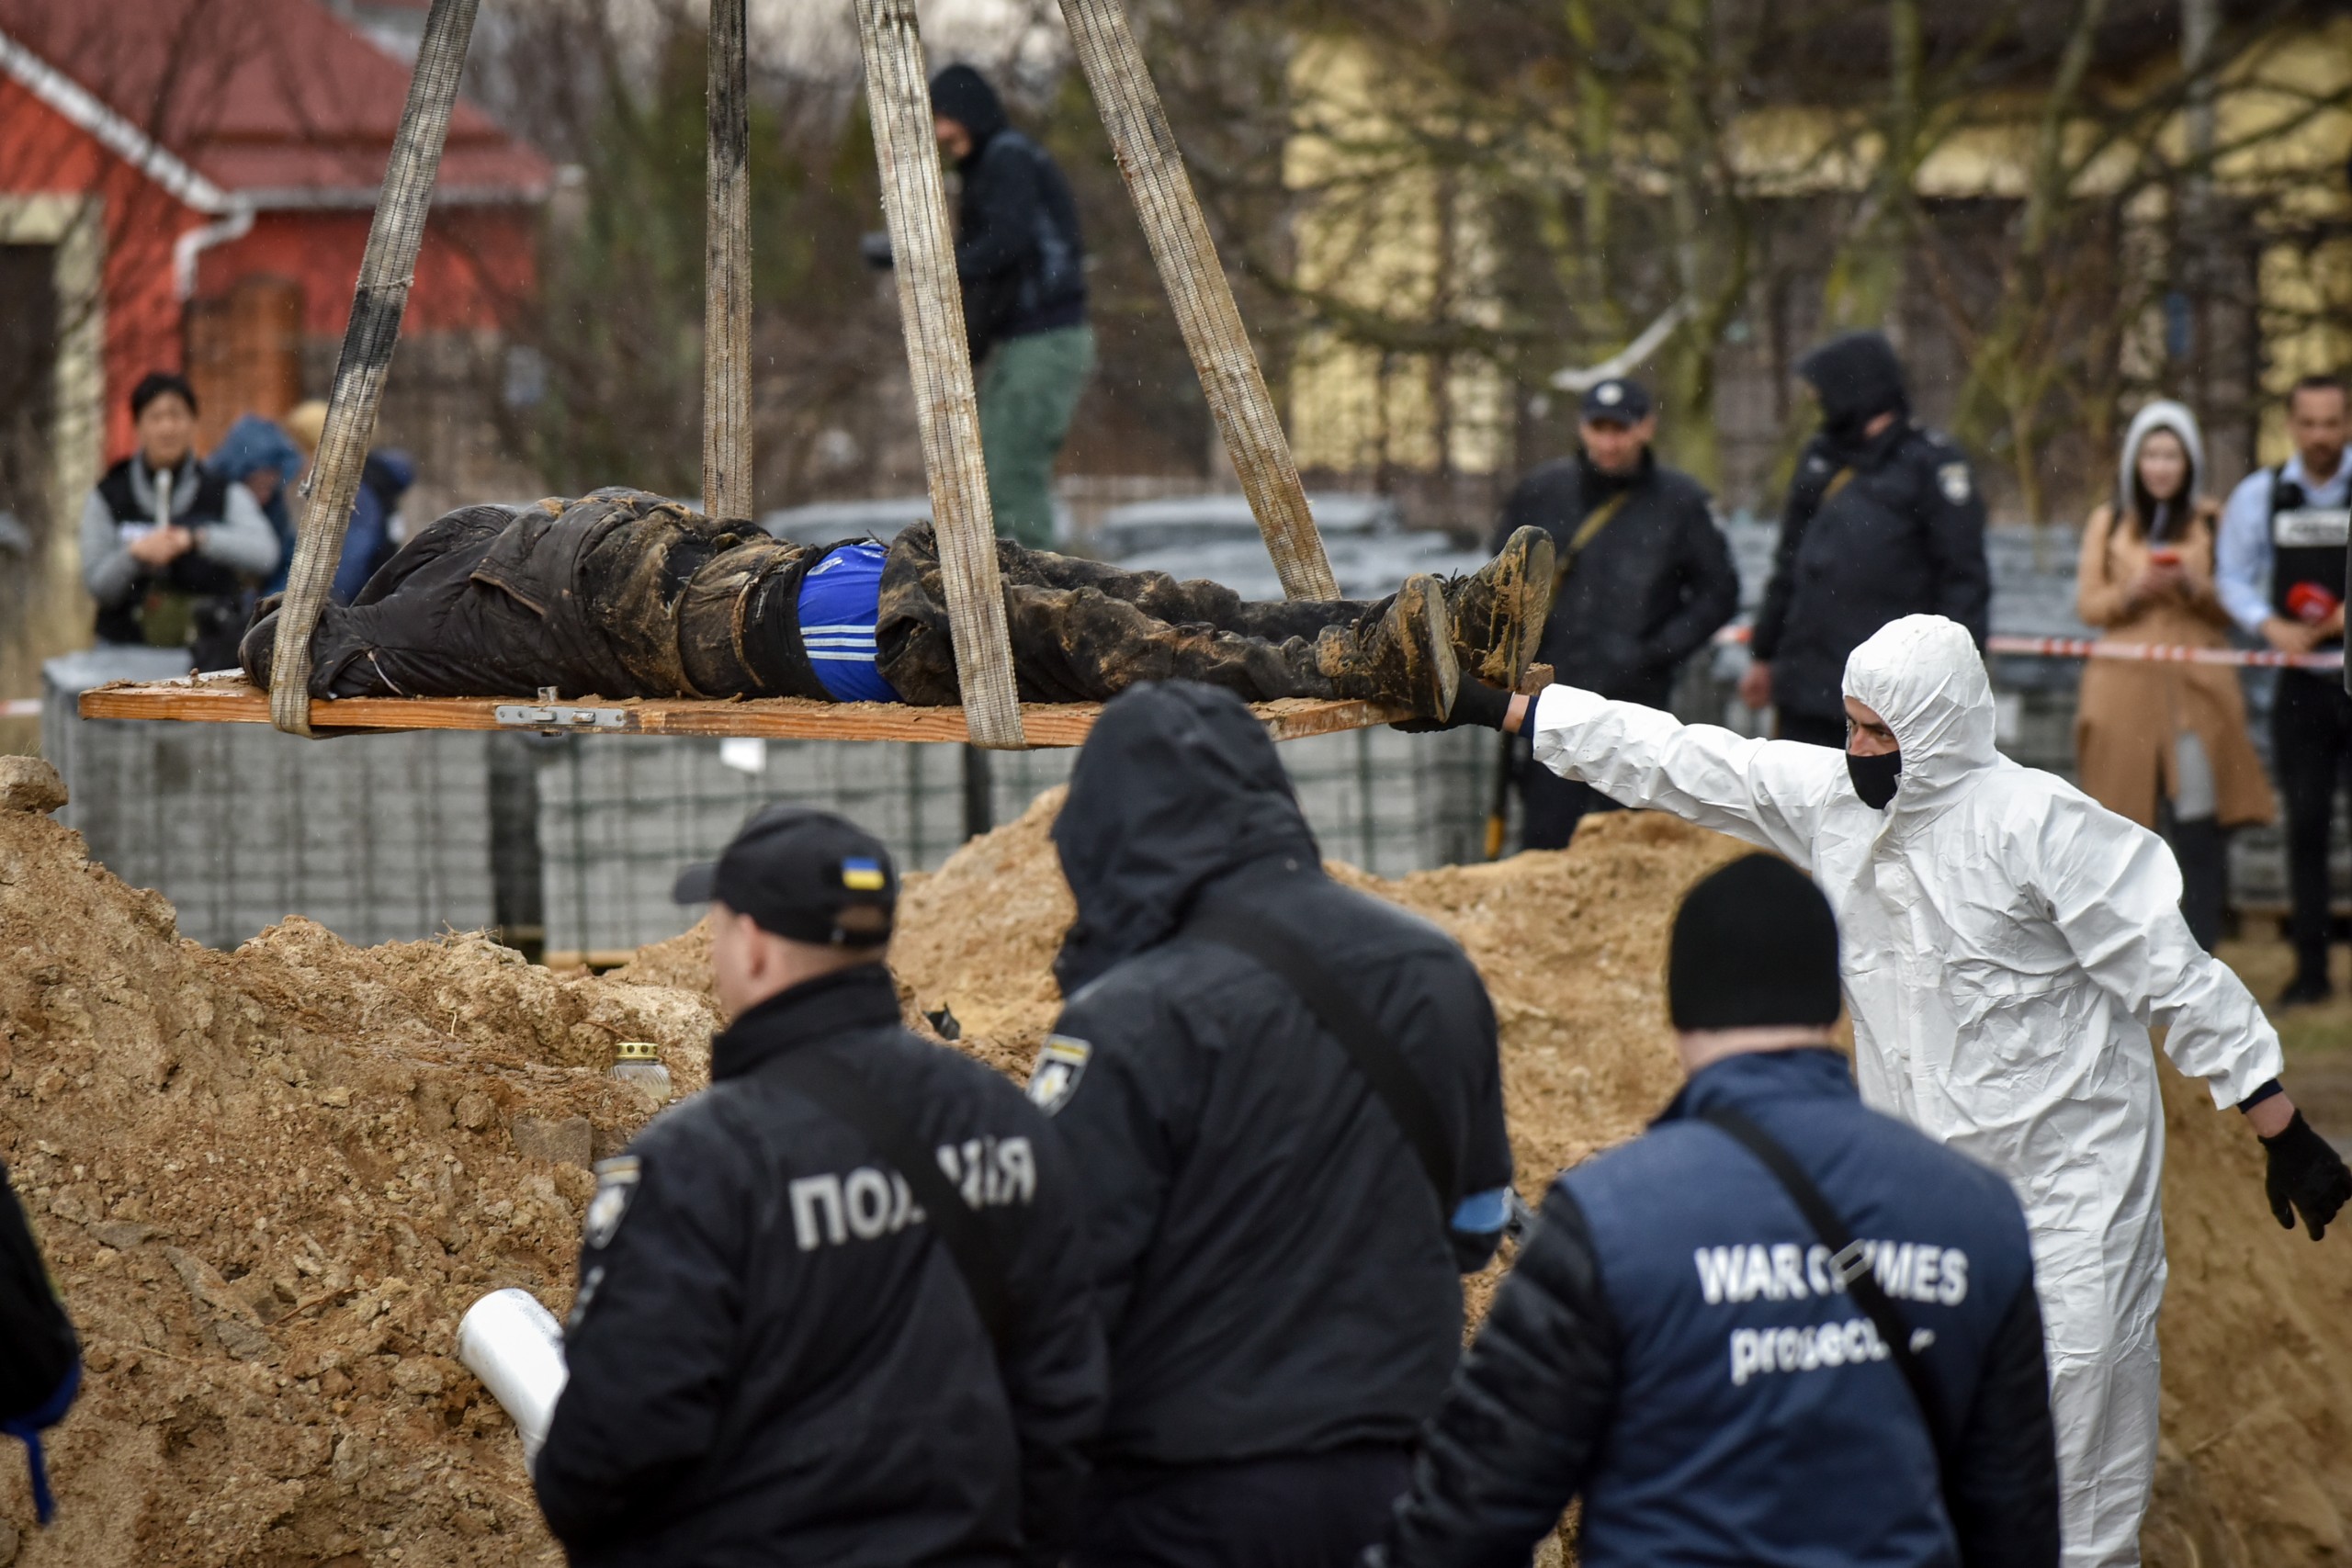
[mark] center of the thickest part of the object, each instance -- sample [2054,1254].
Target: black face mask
[1875,777]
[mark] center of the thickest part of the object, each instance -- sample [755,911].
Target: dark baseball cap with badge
[803,875]
[1617,400]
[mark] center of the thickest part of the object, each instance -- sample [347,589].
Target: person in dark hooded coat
[1275,1263]
[1022,264]
[1883,520]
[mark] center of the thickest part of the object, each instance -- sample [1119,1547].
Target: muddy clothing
[1278,1277]
[624,594]
[199,599]
[1673,1347]
[774,1358]
[1083,631]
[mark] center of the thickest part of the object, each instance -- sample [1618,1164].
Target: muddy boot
[1404,654]
[1498,611]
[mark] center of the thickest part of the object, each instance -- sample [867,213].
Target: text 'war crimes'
[1783,1272]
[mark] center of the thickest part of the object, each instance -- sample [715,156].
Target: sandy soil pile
[269,1182]
[272,1179]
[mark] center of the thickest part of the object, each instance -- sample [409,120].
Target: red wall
[40,152]
[479,265]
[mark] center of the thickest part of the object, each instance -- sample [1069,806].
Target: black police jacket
[1018,251]
[1276,1272]
[1890,527]
[772,1358]
[1646,592]
[1672,1346]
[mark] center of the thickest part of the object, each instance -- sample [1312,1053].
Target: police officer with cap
[1777,1329]
[833,1308]
[1643,579]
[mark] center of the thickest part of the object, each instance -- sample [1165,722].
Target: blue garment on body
[26,1428]
[1754,1399]
[839,601]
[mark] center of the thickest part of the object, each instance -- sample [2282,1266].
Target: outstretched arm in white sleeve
[2113,889]
[1771,793]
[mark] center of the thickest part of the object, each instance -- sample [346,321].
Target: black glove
[1475,703]
[2307,1175]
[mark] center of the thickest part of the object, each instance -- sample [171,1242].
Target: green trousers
[1028,392]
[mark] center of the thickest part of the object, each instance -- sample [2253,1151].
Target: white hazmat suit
[2007,944]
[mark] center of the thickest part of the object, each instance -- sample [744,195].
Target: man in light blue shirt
[2280,567]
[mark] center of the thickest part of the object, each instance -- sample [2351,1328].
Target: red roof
[277,100]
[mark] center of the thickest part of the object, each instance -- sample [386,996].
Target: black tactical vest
[195,601]
[2308,542]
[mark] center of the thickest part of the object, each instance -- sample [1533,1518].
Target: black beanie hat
[1754,947]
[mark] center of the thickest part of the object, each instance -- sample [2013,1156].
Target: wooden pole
[931,310]
[1199,293]
[386,270]
[727,273]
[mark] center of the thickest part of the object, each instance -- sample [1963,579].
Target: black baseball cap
[804,874]
[1619,400]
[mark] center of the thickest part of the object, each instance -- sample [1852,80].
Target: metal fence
[620,815]
[383,839]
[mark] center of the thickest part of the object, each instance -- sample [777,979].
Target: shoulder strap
[1594,522]
[1374,1056]
[958,1225]
[1847,1261]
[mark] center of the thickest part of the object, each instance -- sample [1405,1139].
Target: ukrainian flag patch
[863,876]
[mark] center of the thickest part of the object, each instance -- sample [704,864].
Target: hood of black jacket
[964,95]
[1177,786]
[1857,377]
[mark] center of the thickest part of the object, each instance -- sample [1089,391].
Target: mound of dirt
[271,1180]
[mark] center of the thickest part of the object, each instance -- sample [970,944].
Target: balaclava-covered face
[1857,379]
[1923,676]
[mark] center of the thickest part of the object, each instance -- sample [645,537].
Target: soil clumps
[271,1180]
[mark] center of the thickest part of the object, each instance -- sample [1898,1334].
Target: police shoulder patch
[1061,1062]
[617,1181]
[1953,479]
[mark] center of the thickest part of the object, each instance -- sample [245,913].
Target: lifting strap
[1199,294]
[939,361]
[386,270]
[727,270]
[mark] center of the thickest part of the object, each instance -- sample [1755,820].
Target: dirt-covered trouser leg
[1083,631]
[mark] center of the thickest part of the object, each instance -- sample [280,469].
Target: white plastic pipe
[515,1347]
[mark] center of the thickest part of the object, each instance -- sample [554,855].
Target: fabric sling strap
[1374,1056]
[1847,1261]
[1594,522]
[954,1221]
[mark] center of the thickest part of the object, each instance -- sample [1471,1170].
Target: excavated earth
[270,1181]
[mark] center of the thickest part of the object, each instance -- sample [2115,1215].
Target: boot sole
[1441,672]
[1529,597]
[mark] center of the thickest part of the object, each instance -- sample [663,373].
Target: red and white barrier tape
[2137,652]
[20,707]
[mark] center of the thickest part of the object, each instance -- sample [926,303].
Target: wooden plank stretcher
[231,699]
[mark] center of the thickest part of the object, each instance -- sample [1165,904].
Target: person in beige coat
[2166,745]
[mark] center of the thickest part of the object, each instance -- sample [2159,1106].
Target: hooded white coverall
[2007,944]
